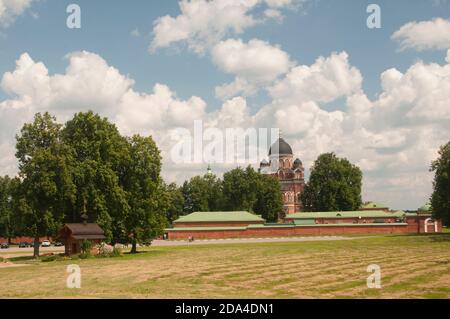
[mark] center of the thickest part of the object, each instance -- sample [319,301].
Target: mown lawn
[411,267]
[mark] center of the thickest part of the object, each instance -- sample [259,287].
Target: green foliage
[86,246]
[9,221]
[269,202]
[100,154]
[240,189]
[176,202]
[202,193]
[46,173]
[146,194]
[334,185]
[440,199]
[246,189]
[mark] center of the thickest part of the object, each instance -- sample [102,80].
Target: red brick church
[290,173]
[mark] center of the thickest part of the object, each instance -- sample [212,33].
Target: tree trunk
[133,246]
[36,247]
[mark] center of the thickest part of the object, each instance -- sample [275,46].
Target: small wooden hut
[73,236]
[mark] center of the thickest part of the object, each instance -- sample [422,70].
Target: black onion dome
[280,147]
[298,161]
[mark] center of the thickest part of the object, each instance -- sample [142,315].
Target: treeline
[86,170]
[239,190]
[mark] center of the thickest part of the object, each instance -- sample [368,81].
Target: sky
[312,68]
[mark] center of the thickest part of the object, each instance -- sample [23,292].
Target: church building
[289,172]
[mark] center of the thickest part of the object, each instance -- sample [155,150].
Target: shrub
[105,251]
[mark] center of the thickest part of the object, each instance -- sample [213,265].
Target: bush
[105,251]
[86,247]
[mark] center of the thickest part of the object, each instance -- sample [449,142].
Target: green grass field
[411,266]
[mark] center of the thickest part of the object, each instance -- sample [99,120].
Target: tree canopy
[334,185]
[440,199]
[9,220]
[45,168]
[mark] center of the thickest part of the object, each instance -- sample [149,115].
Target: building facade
[289,172]
[205,225]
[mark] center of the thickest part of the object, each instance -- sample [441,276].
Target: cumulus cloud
[253,63]
[393,138]
[204,23]
[433,34]
[324,81]
[11,9]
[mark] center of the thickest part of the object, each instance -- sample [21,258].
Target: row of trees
[240,189]
[84,168]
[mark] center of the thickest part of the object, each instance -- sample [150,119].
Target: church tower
[289,172]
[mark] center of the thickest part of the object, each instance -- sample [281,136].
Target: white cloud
[393,138]
[203,23]
[254,63]
[433,34]
[324,81]
[11,9]
[447,59]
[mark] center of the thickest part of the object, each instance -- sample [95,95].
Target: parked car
[4,246]
[58,244]
[46,243]
[24,244]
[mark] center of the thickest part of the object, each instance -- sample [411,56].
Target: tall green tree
[239,189]
[203,193]
[9,219]
[269,202]
[440,199]
[146,194]
[176,202]
[46,173]
[334,185]
[100,155]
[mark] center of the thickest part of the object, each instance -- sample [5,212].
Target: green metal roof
[281,226]
[219,217]
[373,205]
[206,228]
[353,225]
[351,214]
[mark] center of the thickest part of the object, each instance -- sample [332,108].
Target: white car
[46,243]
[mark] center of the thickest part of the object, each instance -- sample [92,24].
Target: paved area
[15,249]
